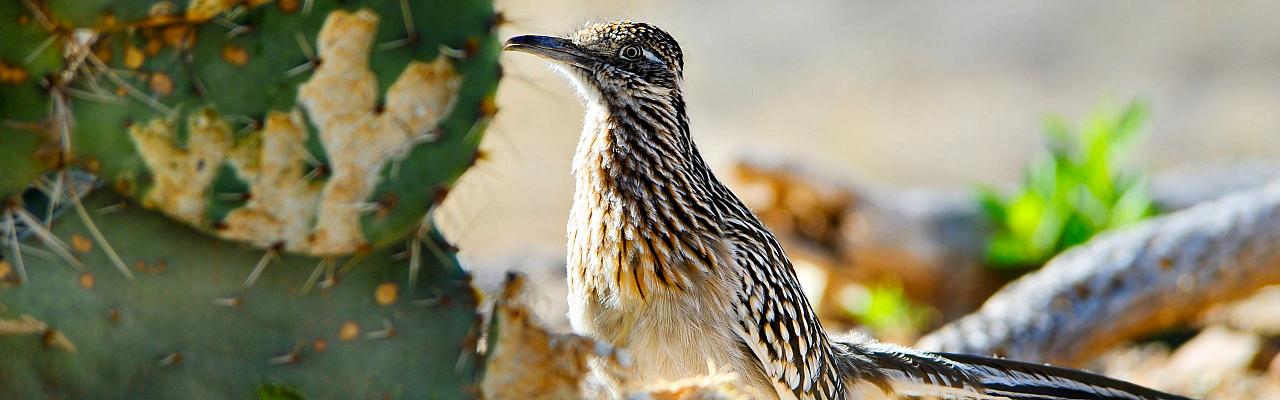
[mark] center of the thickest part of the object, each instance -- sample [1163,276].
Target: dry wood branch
[932,240]
[1128,283]
[865,233]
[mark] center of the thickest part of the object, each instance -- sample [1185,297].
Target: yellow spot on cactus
[12,74]
[349,331]
[153,46]
[5,269]
[488,107]
[177,36]
[81,244]
[235,55]
[287,6]
[133,57]
[386,294]
[86,280]
[320,345]
[161,83]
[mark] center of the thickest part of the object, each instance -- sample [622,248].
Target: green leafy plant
[1081,185]
[885,309]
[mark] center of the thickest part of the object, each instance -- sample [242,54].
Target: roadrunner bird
[666,261]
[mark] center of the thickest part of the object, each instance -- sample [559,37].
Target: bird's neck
[643,219]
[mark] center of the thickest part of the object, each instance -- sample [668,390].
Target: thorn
[438,252]
[233,29]
[233,302]
[387,331]
[452,52]
[394,44]
[299,70]
[293,357]
[52,242]
[355,259]
[395,168]
[44,44]
[475,130]
[415,260]
[188,66]
[315,274]
[137,94]
[99,237]
[462,361]
[40,16]
[262,265]
[408,20]
[92,96]
[37,252]
[111,208]
[306,155]
[305,45]
[171,359]
[330,277]
[12,229]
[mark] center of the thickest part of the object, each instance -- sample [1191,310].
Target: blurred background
[909,93]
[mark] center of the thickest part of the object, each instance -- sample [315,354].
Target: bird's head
[620,58]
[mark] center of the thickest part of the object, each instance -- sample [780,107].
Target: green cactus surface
[189,326]
[322,127]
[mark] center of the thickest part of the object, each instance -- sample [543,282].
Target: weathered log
[1127,283]
[931,240]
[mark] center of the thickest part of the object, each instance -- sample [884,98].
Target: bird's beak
[554,48]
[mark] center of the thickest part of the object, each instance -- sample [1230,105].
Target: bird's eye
[630,52]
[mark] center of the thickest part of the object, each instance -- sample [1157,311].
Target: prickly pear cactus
[319,127]
[207,318]
[269,168]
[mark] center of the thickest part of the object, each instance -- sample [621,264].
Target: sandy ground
[910,92]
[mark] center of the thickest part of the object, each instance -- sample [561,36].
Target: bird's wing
[903,371]
[776,321]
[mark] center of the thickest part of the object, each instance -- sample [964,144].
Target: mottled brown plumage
[666,261]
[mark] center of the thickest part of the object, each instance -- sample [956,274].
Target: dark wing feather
[902,371]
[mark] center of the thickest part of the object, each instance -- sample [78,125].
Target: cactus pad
[318,127]
[188,326]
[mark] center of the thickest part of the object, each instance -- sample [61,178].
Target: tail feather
[1023,380]
[901,371]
